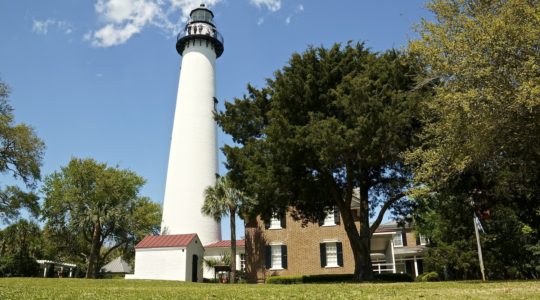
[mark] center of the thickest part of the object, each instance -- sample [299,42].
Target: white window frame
[276,262]
[330,219]
[396,235]
[242,261]
[331,256]
[423,239]
[275,222]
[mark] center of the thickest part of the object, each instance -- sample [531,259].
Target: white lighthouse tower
[193,161]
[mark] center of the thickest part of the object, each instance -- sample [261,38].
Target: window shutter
[268,257]
[266,225]
[337,220]
[339,248]
[284,256]
[283,220]
[404,237]
[323,254]
[321,222]
[417,239]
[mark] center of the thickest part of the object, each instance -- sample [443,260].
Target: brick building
[286,247]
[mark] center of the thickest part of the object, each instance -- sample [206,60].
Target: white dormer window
[398,239]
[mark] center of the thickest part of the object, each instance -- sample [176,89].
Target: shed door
[194,268]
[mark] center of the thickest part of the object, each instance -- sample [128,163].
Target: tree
[21,153]
[481,141]
[332,123]
[21,244]
[98,208]
[222,200]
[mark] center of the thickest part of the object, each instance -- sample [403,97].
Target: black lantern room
[200,30]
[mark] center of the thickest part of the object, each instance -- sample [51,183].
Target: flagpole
[480,258]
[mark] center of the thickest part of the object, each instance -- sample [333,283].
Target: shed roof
[226,243]
[162,241]
[117,265]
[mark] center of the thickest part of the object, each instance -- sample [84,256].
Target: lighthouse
[177,254]
[193,163]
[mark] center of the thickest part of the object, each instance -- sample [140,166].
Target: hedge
[431,276]
[328,278]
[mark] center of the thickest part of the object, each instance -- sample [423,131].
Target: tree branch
[112,249]
[383,210]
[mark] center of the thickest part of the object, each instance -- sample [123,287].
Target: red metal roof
[173,240]
[226,243]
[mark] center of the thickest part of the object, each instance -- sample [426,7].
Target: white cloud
[122,19]
[300,8]
[288,20]
[42,27]
[272,5]
[260,21]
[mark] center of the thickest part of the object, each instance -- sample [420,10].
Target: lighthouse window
[201,15]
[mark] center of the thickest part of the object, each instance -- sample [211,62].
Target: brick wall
[303,249]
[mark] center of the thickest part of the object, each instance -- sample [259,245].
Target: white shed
[169,257]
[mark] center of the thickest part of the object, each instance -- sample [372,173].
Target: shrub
[294,279]
[333,278]
[327,278]
[393,277]
[430,276]
[18,266]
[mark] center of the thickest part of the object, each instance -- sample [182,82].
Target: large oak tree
[481,142]
[98,209]
[21,153]
[331,124]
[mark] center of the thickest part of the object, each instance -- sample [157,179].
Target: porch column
[45,271]
[70,272]
[415,267]
[393,257]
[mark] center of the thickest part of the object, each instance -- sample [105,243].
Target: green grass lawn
[39,288]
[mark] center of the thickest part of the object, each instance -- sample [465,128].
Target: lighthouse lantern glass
[202,15]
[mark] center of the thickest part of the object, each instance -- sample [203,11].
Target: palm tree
[222,200]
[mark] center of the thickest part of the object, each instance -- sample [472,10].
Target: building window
[331,219]
[276,257]
[275,222]
[331,254]
[242,262]
[398,239]
[422,240]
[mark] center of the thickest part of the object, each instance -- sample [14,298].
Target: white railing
[380,268]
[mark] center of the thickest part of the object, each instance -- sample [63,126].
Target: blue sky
[98,79]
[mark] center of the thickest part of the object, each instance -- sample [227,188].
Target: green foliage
[223,260]
[18,266]
[334,278]
[393,277]
[430,276]
[21,156]
[22,239]
[292,279]
[331,122]
[96,209]
[327,278]
[221,200]
[481,143]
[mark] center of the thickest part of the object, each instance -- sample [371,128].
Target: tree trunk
[366,272]
[232,216]
[352,233]
[91,270]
